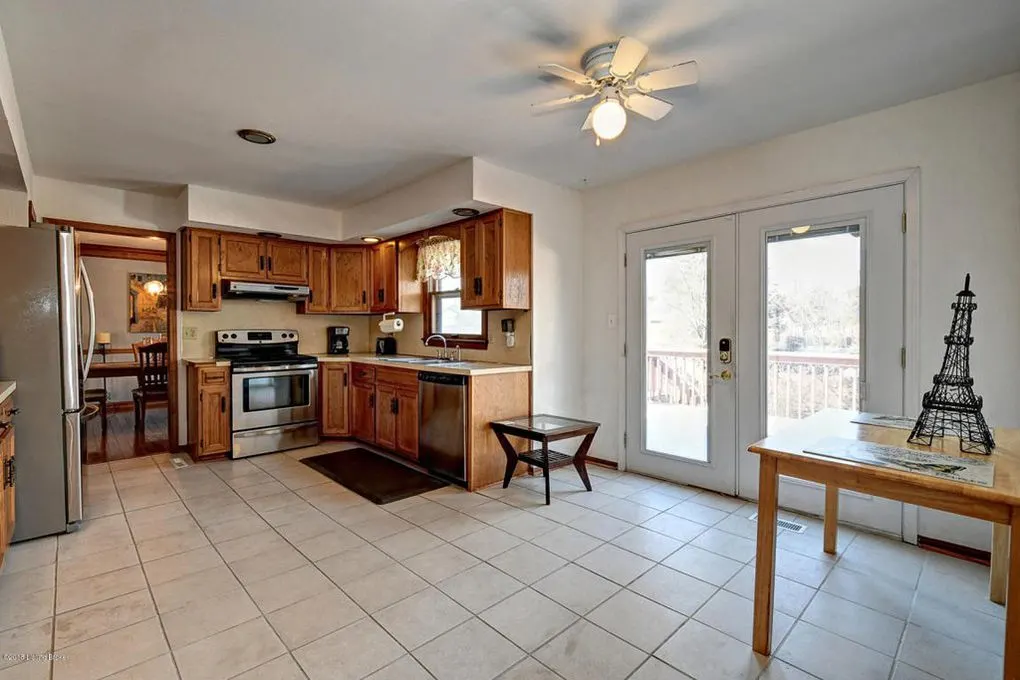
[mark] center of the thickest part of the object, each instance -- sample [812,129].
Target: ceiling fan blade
[563,101]
[647,106]
[680,75]
[628,57]
[566,74]
[587,125]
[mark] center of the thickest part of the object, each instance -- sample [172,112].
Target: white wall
[90,203]
[228,208]
[556,305]
[11,111]
[109,280]
[967,146]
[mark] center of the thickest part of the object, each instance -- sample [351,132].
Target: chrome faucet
[440,353]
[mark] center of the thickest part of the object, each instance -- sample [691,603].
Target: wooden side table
[545,428]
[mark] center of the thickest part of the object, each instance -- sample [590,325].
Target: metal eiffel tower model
[951,407]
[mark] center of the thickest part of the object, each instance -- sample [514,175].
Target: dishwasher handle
[442,378]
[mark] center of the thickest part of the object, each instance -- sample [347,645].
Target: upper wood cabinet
[350,272]
[495,255]
[319,265]
[200,264]
[384,277]
[243,257]
[287,262]
[335,399]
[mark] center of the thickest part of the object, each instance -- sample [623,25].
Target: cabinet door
[386,416]
[471,274]
[384,277]
[407,424]
[201,263]
[490,254]
[244,257]
[363,412]
[350,280]
[287,262]
[318,282]
[214,419]
[334,379]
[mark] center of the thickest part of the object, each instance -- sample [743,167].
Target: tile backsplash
[409,341]
[311,328]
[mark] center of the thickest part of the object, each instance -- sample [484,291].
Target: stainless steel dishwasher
[442,424]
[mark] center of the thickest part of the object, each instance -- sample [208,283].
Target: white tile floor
[265,569]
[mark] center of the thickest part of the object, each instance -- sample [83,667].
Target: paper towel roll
[391,325]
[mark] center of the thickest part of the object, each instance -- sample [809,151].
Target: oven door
[273,397]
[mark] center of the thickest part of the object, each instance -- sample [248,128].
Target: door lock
[725,374]
[725,351]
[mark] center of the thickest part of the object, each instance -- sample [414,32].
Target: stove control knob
[233,335]
[224,336]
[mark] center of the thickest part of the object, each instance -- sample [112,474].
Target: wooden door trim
[120,253]
[173,340]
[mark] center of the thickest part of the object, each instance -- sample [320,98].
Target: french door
[741,325]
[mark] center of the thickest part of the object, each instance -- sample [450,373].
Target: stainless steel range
[274,390]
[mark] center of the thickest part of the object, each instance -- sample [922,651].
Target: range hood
[265,291]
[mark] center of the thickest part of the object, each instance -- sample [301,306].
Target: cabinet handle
[270,263]
[223,404]
[14,412]
[382,295]
[371,401]
[345,380]
[478,285]
[262,262]
[214,290]
[394,407]
[311,295]
[364,297]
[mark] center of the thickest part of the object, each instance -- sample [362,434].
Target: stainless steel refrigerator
[41,348]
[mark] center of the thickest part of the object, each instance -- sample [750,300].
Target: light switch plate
[190,333]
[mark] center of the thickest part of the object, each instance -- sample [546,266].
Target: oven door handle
[284,369]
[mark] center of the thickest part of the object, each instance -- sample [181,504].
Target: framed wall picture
[147,300]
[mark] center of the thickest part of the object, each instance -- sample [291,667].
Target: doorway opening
[130,390]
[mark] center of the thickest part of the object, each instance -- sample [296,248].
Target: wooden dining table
[784,454]
[114,369]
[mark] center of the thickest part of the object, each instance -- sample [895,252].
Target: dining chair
[153,377]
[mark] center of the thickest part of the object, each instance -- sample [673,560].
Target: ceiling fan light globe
[608,119]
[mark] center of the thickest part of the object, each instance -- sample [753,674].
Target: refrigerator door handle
[70,334]
[92,320]
[72,462]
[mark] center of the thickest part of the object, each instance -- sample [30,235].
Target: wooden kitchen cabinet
[363,413]
[406,436]
[209,432]
[200,264]
[243,257]
[350,280]
[286,262]
[386,416]
[334,380]
[496,261]
[8,475]
[384,278]
[319,279]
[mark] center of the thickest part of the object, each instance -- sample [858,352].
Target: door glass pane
[676,352]
[813,322]
[269,393]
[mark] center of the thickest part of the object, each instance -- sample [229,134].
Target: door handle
[725,375]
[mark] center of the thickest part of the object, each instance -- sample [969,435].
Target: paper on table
[883,420]
[953,468]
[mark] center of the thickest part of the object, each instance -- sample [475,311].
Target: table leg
[1000,564]
[545,469]
[831,518]
[1011,660]
[511,458]
[581,460]
[765,562]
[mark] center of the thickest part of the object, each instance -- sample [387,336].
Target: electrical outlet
[611,320]
[190,333]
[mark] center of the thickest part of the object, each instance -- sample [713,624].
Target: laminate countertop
[469,368]
[6,388]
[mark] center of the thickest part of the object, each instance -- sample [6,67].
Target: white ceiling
[367,96]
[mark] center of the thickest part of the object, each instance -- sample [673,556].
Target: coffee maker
[338,339]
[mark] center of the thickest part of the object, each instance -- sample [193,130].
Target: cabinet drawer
[214,375]
[363,374]
[398,377]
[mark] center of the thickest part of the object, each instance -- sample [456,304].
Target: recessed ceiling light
[801,230]
[256,136]
[466,212]
[371,239]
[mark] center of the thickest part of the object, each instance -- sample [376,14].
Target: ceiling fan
[610,70]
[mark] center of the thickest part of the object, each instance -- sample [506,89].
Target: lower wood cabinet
[406,437]
[335,399]
[7,475]
[386,416]
[363,413]
[209,432]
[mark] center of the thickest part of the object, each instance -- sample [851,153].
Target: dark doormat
[373,476]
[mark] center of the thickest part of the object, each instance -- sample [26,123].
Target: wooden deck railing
[802,383]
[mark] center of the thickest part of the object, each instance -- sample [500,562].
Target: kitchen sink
[408,360]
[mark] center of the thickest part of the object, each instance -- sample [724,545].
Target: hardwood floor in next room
[121,441]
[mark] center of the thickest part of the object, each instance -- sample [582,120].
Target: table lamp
[103,340]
